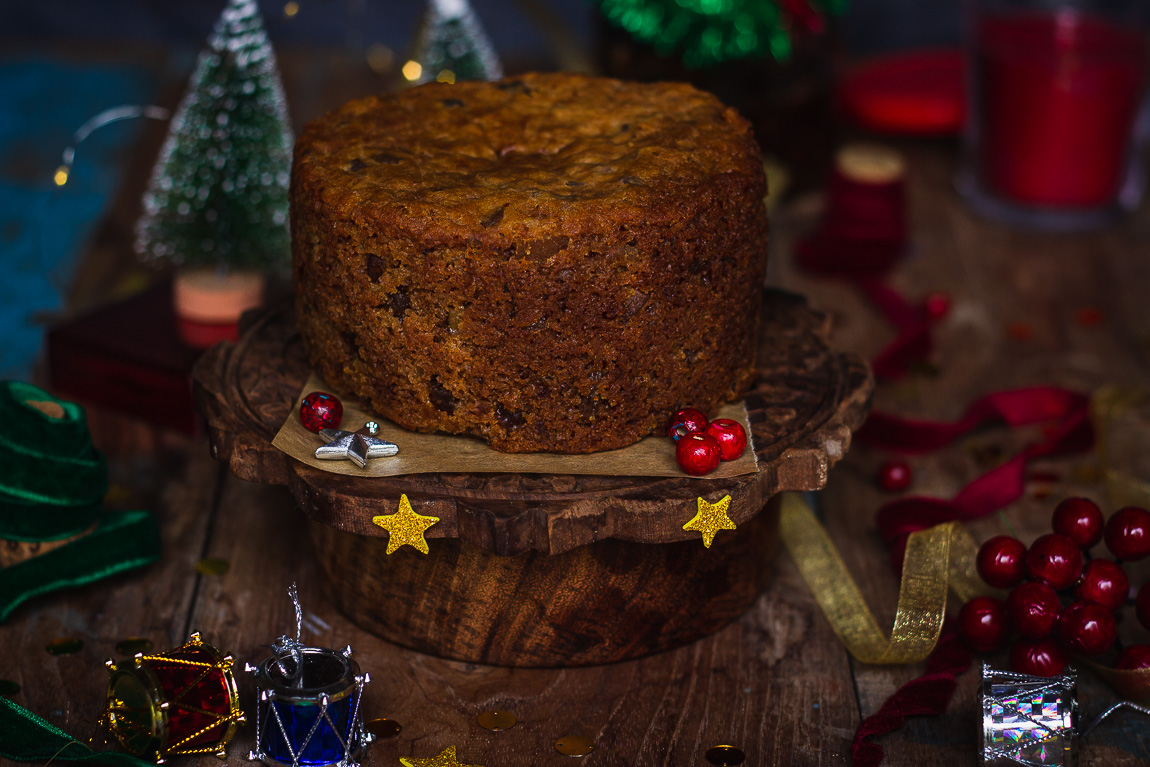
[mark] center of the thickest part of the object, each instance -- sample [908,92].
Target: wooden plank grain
[775,684]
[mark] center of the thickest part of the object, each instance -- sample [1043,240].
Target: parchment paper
[422,453]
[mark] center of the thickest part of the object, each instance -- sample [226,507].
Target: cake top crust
[521,154]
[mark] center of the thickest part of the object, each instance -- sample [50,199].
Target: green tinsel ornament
[219,193]
[451,45]
[707,32]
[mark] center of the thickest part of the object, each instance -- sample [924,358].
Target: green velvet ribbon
[26,737]
[52,480]
[121,541]
[52,487]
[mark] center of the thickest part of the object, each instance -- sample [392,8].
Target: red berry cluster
[701,444]
[1060,602]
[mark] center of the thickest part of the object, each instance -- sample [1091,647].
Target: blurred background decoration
[779,62]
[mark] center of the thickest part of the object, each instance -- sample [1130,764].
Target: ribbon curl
[938,560]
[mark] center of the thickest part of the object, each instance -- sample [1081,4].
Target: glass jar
[1058,116]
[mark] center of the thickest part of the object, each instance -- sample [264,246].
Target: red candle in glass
[1059,96]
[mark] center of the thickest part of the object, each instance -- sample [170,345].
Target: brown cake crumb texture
[549,262]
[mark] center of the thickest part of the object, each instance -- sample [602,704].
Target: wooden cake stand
[546,570]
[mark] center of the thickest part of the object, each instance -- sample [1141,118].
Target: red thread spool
[863,230]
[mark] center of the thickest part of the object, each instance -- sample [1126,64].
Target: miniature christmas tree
[451,45]
[706,32]
[219,192]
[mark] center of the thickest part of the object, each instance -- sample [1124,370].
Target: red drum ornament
[180,702]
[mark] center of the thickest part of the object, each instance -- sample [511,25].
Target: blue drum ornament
[308,708]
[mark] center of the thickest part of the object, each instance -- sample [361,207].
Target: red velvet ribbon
[862,236]
[1065,413]
[927,695]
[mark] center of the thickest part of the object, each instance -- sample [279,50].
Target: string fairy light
[107,117]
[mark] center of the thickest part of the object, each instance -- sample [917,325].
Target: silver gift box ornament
[1028,720]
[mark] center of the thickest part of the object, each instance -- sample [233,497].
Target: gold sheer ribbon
[937,560]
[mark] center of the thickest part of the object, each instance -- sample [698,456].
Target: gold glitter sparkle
[445,758]
[710,519]
[405,527]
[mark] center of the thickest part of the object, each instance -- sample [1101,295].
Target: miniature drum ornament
[1029,720]
[180,702]
[308,711]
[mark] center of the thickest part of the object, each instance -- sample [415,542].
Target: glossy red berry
[983,624]
[937,305]
[1055,560]
[1002,561]
[320,410]
[1103,582]
[730,435]
[1132,657]
[1087,629]
[1128,533]
[1038,657]
[686,421]
[1142,605]
[1034,609]
[1080,520]
[895,476]
[697,454]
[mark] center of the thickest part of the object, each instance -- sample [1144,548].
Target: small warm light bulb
[446,76]
[291,8]
[61,176]
[412,70]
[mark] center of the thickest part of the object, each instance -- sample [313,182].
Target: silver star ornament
[355,446]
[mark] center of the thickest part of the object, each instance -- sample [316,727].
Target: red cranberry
[1087,629]
[1038,657]
[1002,561]
[1080,520]
[320,410]
[937,305]
[731,437]
[697,454]
[1132,657]
[1104,582]
[686,421]
[1055,560]
[895,476]
[1033,608]
[1128,533]
[1142,605]
[983,624]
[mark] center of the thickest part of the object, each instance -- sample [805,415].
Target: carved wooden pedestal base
[540,570]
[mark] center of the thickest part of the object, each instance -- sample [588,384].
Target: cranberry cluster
[701,444]
[1061,602]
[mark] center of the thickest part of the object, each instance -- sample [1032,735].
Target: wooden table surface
[777,684]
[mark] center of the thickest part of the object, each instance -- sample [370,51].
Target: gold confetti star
[446,758]
[405,528]
[711,518]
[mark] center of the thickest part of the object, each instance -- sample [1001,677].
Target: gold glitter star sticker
[445,758]
[711,518]
[405,527]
